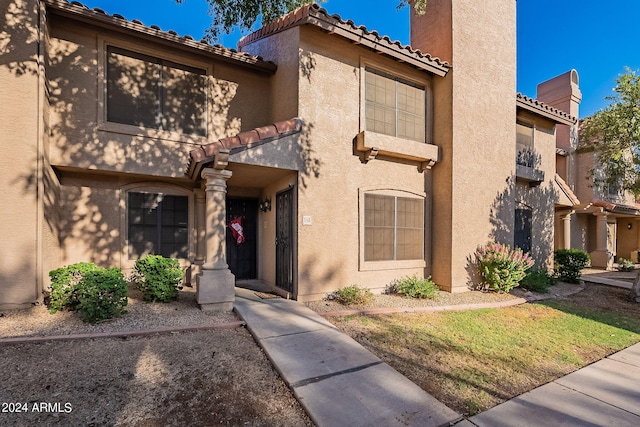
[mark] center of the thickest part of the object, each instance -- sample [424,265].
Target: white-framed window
[394,106]
[393,227]
[151,92]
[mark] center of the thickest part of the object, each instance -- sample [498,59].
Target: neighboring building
[602,221]
[346,157]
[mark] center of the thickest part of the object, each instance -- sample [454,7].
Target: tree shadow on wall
[540,200]
[84,166]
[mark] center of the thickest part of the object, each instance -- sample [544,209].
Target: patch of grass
[473,360]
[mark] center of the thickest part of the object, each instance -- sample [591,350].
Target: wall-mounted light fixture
[629,225]
[265,205]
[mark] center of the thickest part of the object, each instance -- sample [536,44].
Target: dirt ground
[204,378]
[186,379]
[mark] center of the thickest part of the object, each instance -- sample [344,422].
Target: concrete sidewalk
[340,383]
[337,381]
[606,393]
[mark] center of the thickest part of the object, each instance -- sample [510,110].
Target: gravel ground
[212,377]
[396,301]
[37,321]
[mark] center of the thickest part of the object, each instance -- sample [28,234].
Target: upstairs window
[393,228]
[524,145]
[158,224]
[154,93]
[394,107]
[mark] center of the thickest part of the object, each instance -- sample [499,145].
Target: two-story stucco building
[319,155]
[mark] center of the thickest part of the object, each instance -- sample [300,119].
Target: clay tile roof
[243,140]
[566,190]
[99,18]
[542,109]
[616,208]
[315,15]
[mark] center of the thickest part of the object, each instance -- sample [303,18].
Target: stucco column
[216,188]
[601,257]
[215,284]
[566,229]
[201,233]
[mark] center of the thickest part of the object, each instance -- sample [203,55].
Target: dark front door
[241,257]
[284,234]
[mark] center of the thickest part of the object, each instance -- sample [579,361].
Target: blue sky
[595,37]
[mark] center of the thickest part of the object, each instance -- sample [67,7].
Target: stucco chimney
[474,125]
[563,92]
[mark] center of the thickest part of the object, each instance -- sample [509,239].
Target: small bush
[96,293]
[501,267]
[569,264]
[101,295]
[64,280]
[538,280]
[158,278]
[625,265]
[353,295]
[415,287]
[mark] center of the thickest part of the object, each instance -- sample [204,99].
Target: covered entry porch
[245,215]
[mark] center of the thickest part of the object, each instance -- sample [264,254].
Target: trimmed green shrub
[101,295]
[353,295]
[63,285]
[96,293]
[569,264]
[625,265]
[501,267]
[158,278]
[415,287]
[538,280]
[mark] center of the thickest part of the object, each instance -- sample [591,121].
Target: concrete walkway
[337,381]
[592,278]
[340,383]
[606,393]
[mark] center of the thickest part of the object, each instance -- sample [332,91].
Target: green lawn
[474,360]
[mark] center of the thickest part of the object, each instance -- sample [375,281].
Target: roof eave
[114,22]
[541,111]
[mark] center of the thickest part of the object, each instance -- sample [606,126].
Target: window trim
[106,126]
[166,189]
[389,264]
[424,83]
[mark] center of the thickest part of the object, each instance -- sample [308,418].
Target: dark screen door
[522,237]
[284,234]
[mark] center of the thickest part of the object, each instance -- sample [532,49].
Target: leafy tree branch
[614,135]
[244,14]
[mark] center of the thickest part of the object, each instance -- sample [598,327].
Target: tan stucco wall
[332,178]
[238,100]
[21,159]
[330,85]
[542,197]
[477,135]
[92,224]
